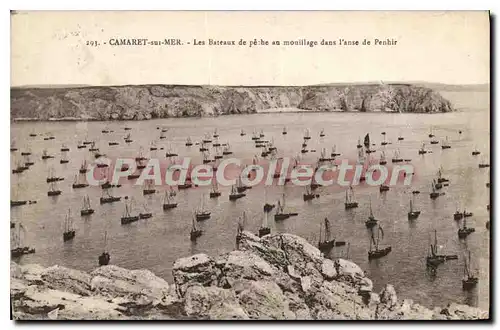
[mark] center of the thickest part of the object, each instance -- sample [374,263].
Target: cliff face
[274,277]
[163,101]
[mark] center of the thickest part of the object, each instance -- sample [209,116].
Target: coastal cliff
[278,276]
[165,101]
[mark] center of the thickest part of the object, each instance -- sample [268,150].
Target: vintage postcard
[239,165]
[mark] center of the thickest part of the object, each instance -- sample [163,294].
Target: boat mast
[327,230]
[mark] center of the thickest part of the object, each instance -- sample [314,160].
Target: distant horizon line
[381,82]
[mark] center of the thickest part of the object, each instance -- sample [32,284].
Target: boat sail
[366,141]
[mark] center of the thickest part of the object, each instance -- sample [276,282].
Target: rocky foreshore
[166,101]
[278,276]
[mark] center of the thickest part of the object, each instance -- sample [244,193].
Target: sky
[50,48]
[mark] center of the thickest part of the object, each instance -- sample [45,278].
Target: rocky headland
[278,277]
[166,101]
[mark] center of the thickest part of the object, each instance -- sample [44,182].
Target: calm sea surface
[156,243]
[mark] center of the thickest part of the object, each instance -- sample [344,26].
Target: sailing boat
[19,168]
[309,195]
[104,257]
[334,151]
[264,227]
[240,186]
[280,211]
[349,199]
[445,144]
[434,259]
[64,148]
[412,214]
[107,198]
[201,213]
[440,178]
[51,177]
[127,216]
[284,132]
[307,134]
[45,154]
[235,193]
[18,249]
[77,184]
[170,152]
[422,150]
[27,161]
[13,146]
[371,219]
[326,244]
[218,153]
[83,167]
[27,152]
[64,158]
[195,233]
[384,142]
[431,135]
[383,159]
[148,188]
[322,133]
[434,194]
[203,148]
[168,201]
[323,157]
[53,191]
[267,207]
[396,158]
[465,231]
[377,252]
[216,142]
[469,281]
[483,163]
[146,214]
[475,152]
[189,142]
[227,150]
[215,190]
[69,231]
[242,132]
[93,147]
[15,201]
[207,138]
[128,138]
[86,209]
[152,146]
[206,158]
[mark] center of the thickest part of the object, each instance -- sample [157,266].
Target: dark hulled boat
[202,213]
[127,216]
[215,192]
[78,184]
[264,227]
[377,252]
[86,209]
[235,194]
[105,257]
[53,191]
[469,281]
[349,199]
[413,214]
[465,231]
[168,201]
[308,195]
[371,222]
[106,197]
[325,243]
[69,232]
[195,232]
[18,248]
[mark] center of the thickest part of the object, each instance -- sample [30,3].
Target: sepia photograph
[247,165]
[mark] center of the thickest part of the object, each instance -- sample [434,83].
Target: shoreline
[278,276]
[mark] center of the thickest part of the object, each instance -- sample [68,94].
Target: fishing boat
[264,227]
[206,158]
[215,192]
[242,133]
[412,214]
[227,150]
[126,128]
[475,152]
[280,211]
[195,232]
[434,141]
[127,216]
[105,257]
[152,146]
[52,177]
[27,161]
[79,184]
[170,152]
[15,201]
[267,207]
[261,134]
[284,132]
[133,176]
[207,138]
[93,148]
[307,134]
[465,231]
[375,251]
[445,144]
[349,199]
[86,208]
[20,168]
[186,185]
[201,213]
[323,157]
[434,259]
[26,153]
[236,194]
[81,145]
[467,214]
[483,163]
[218,153]
[189,142]
[106,197]
[83,167]
[148,188]
[384,142]
[146,214]
[69,231]
[308,194]
[240,187]
[371,222]
[458,215]
[422,150]
[437,185]
[33,134]
[203,147]
[397,158]
[440,178]
[469,281]
[322,133]
[128,138]
[383,159]
[326,243]
[431,134]
[18,249]
[64,158]
[45,155]
[383,188]
[168,201]
[216,134]
[434,194]
[162,135]
[53,191]
[334,152]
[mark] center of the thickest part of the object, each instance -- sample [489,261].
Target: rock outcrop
[163,101]
[276,277]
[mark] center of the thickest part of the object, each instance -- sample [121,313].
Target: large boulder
[197,269]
